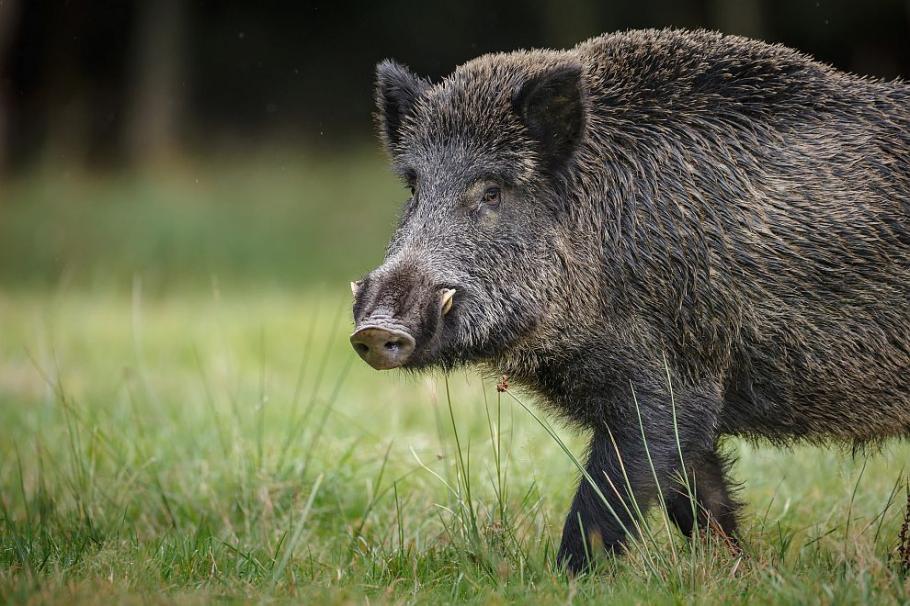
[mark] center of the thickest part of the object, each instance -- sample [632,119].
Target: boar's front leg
[619,485]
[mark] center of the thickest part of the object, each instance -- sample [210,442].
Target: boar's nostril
[383,348]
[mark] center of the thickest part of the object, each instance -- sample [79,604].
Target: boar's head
[477,262]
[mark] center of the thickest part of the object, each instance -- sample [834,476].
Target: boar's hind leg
[619,484]
[713,504]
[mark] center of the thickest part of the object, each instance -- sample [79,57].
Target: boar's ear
[551,107]
[397,90]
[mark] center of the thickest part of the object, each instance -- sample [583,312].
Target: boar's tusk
[355,286]
[446,302]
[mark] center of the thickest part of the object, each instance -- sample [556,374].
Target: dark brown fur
[729,213]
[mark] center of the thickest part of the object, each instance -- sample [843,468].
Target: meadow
[182,420]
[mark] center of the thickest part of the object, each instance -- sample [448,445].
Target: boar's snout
[383,348]
[399,314]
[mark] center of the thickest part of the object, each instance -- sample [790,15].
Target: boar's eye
[491,197]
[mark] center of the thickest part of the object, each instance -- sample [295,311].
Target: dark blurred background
[283,89]
[119,81]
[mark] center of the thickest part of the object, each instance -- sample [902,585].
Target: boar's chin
[447,355]
[442,359]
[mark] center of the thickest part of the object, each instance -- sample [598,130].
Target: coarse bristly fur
[727,212]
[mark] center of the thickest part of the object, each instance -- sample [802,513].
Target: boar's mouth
[398,334]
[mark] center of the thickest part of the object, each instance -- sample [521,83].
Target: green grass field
[170,437]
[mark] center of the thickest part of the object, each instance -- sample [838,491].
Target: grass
[182,420]
[185,448]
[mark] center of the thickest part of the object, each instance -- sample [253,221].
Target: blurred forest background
[192,138]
